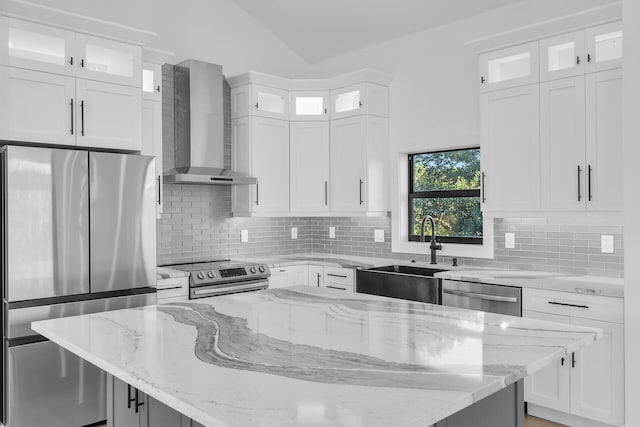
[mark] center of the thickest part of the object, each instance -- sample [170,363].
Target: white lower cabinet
[589,383]
[260,148]
[316,276]
[129,407]
[288,276]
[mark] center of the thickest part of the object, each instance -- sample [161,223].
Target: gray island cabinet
[304,356]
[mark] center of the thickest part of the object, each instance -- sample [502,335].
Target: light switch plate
[244,236]
[332,232]
[606,242]
[378,236]
[509,240]
[294,232]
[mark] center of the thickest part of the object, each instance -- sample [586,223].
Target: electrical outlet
[509,240]
[606,242]
[332,232]
[378,236]
[294,232]
[244,236]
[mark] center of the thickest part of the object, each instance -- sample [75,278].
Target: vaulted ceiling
[322,29]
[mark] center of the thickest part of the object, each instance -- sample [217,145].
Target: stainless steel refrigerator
[78,236]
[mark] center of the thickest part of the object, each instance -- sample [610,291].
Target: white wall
[210,30]
[631,135]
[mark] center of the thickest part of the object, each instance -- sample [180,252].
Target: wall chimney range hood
[199,127]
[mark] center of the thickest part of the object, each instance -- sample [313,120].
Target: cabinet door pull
[71,60]
[336,275]
[484,198]
[360,104]
[82,63]
[71,105]
[482,80]
[129,398]
[325,111]
[579,190]
[326,197]
[257,105]
[159,191]
[589,182]
[138,402]
[257,193]
[568,305]
[577,60]
[158,89]
[573,360]
[336,287]
[319,276]
[82,118]
[562,361]
[588,57]
[361,182]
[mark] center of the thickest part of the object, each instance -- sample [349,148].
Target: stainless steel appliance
[400,281]
[483,297]
[78,236]
[198,139]
[223,277]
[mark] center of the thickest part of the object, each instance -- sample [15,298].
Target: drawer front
[594,307]
[167,300]
[173,287]
[339,276]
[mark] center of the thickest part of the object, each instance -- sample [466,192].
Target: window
[446,185]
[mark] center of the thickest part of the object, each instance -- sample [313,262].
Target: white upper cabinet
[510,121]
[151,81]
[562,56]
[510,67]
[604,141]
[108,61]
[359,99]
[562,144]
[309,166]
[309,106]
[37,107]
[258,100]
[603,45]
[37,47]
[108,115]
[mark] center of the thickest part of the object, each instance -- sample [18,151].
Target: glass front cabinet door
[362,98]
[36,47]
[309,106]
[510,67]
[562,56]
[151,81]
[603,45]
[109,61]
[269,102]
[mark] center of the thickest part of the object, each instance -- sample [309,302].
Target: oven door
[228,288]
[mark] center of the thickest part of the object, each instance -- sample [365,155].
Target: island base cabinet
[122,412]
[504,408]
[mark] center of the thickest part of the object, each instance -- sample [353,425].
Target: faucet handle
[436,244]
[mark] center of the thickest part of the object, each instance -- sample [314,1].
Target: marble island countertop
[310,356]
[593,285]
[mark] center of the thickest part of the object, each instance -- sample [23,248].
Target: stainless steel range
[223,277]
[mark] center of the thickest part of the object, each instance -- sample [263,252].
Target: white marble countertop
[593,285]
[305,356]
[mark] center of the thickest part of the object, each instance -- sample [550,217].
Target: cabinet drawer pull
[568,305]
[336,287]
[336,275]
[477,295]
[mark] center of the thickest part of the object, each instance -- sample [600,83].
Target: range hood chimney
[199,127]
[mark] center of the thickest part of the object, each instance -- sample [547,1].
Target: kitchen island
[307,356]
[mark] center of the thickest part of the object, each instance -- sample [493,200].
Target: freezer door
[46,222]
[49,386]
[123,221]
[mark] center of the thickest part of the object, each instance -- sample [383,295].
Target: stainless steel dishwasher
[482,296]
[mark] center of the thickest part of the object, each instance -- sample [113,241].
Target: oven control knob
[210,274]
[253,270]
[200,275]
[261,268]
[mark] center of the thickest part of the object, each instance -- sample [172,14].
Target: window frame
[439,194]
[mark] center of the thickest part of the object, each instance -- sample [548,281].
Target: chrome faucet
[434,246]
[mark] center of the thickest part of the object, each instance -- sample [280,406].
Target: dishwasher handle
[480,296]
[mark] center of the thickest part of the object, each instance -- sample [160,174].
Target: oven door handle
[479,296]
[219,289]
